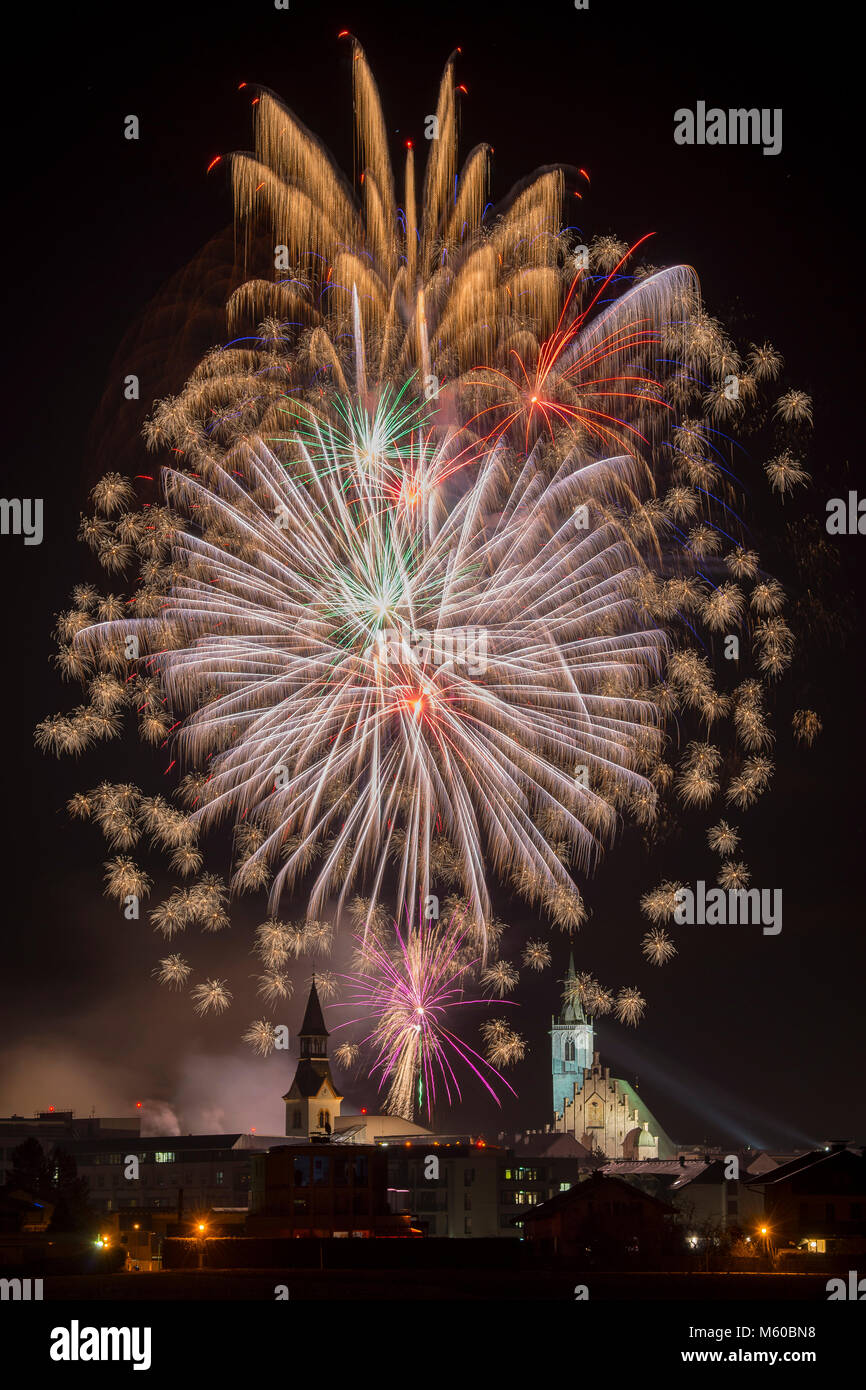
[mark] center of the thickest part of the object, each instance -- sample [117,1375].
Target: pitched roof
[595,1186]
[667,1147]
[314,1019]
[803,1161]
[311,1074]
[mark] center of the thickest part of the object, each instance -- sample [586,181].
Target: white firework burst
[173,971]
[211,997]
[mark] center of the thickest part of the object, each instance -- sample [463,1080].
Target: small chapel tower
[312,1102]
[571,1044]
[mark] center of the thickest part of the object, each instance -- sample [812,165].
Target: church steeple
[314,1035]
[572,1008]
[312,1100]
[571,1043]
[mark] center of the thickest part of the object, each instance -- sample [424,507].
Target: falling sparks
[660,903]
[173,971]
[723,838]
[536,955]
[500,978]
[274,986]
[807,726]
[503,1046]
[734,874]
[657,946]
[261,1036]
[211,997]
[347,1055]
[630,1006]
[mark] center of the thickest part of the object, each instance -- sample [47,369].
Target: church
[602,1112]
[312,1101]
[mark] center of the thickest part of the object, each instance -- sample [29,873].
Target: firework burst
[441,545]
[173,971]
[412,996]
[657,946]
[211,997]
[261,1036]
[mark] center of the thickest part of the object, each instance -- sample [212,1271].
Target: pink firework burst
[411,989]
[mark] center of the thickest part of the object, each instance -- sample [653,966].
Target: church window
[296,1119]
[569,1049]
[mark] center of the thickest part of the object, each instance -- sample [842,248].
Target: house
[602,1219]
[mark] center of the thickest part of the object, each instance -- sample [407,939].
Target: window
[321,1170]
[468,1177]
[164,1157]
[220,1177]
[302,1170]
[324,1118]
[359,1163]
[467,1225]
[569,1050]
[296,1119]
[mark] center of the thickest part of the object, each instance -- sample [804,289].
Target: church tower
[312,1101]
[571,1044]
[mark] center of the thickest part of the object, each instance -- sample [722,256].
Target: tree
[54,1180]
[30,1170]
[71,1210]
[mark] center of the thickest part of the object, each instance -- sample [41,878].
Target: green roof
[667,1147]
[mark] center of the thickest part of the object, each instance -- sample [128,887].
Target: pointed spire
[314,1020]
[572,1009]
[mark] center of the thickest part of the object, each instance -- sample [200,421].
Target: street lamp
[201,1228]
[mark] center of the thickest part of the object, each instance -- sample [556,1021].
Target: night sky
[746,1037]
